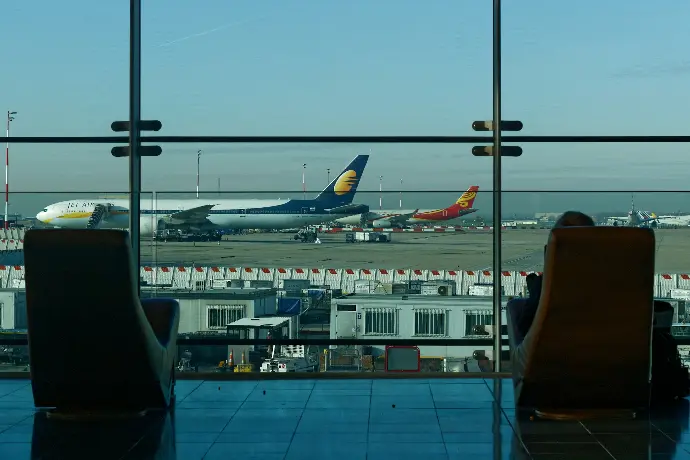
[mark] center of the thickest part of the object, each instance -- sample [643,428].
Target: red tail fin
[467,199]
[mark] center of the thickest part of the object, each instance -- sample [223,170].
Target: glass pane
[617,185]
[434,225]
[314,68]
[49,185]
[64,209]
[66,68]
[606,81]
[257,227]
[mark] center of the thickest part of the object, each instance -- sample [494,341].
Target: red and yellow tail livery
[464,205]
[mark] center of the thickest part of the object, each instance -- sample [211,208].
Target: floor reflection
[349,420]
[149,437]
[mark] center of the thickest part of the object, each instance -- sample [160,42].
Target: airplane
[207,214]
[402,218]
[637,218]
[678,220]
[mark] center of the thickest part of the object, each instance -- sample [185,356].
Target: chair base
[84,415]
[584,414]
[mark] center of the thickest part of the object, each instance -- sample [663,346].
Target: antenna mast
[10,118]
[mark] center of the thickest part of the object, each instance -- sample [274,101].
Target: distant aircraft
[636,218]
[402,218]
[680,220]
[203,214]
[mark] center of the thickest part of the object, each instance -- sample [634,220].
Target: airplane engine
[381,223]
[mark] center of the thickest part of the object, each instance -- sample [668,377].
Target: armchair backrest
[594,321]
[81,289]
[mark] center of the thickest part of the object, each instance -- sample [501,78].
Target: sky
[389,67]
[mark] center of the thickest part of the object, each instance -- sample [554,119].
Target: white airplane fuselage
[237,214]
[382,214]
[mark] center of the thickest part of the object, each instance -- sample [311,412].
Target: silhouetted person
[525,309]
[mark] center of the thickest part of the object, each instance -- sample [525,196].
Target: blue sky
[356,67]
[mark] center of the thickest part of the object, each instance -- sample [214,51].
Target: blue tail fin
[342,189]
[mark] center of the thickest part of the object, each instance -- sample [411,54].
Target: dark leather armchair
[589,346]
[93,346]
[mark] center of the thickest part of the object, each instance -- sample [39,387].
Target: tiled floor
[337,419]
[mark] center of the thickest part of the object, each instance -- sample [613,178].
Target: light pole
[401,193]
[328,174]
[380,192]
[198,162]
[7,165]
[304,186]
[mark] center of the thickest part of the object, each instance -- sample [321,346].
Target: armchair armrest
[515,311]
[162,314]
[518,312]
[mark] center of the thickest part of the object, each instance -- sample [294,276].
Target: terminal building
[214,310]
[420,317]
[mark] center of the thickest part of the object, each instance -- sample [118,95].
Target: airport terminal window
[475,322]
[219,316]
[381,321]
[430,321]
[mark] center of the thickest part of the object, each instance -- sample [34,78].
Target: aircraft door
[445,213]
[305,210]
[243,213]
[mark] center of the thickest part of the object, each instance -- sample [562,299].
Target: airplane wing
[399,218]
[198,214]
[349,208]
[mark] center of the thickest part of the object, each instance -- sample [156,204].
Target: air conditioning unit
[438,287]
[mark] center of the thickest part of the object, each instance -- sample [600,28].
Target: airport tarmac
[522,250]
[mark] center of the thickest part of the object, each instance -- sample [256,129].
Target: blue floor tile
[192,451]
[362,419]
[247,451]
